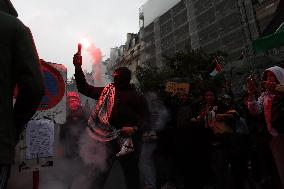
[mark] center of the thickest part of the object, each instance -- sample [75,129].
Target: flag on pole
[217,69]
[273,35]
[271,41]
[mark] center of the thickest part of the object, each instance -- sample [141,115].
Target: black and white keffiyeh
[100,129]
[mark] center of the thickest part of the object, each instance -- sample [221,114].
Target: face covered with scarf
[73,101]
[121,77]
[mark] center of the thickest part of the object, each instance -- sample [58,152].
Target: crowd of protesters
[209,142]
[218,142]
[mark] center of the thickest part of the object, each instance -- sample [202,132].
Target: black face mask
[120,81]
[121,77]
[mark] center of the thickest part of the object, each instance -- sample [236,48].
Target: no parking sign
[54,87]
[36,148]
[53,104]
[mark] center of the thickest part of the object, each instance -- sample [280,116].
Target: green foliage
[193,65]
[149,77]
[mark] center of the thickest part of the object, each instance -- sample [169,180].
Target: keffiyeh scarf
[100,129]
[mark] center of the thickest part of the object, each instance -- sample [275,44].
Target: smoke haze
[95,62]
[158,110]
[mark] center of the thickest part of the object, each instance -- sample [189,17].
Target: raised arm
[254,106]
[82,85]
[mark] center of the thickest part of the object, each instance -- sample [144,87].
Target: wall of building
[127,55]
[227,25]
[131,55]
[264,11]
[155,8]
[166,35]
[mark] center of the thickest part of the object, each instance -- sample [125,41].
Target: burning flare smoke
[96,56]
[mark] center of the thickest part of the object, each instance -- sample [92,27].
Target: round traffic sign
[54,87]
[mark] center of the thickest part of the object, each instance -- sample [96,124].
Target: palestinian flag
[273,35]
[271,41]
[217,69]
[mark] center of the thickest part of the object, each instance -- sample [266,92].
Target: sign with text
[177,88]
[37,145]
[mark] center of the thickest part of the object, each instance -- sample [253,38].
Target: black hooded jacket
[129,107]
[19,66]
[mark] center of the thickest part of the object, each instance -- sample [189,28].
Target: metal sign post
[37,141]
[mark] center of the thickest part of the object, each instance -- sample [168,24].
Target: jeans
[147,164]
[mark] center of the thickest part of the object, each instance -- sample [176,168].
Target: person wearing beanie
[115,122]
[76,123]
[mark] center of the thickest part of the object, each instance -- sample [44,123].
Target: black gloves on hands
[77,60]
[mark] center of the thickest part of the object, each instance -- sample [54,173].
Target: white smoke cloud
[93,60]
[158,110]
[93,153]
[67,173]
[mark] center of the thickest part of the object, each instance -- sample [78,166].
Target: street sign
[53,104]
[54,87]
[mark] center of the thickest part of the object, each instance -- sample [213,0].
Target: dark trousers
[129,165]
[4,175]
[277,149]
[230,161]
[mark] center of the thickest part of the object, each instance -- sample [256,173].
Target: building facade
[131,55]
[226,25]
[115,60]
[127,55]
[170,26]
[264,11]
[166,34]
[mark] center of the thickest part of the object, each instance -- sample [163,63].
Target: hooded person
[19,66]
[272,77]
[76,123]
[69,169]
[7,6]
[115,122]
[271,104]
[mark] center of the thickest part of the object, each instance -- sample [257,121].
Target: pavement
[49,179]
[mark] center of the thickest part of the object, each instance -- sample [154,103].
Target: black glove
[77,60]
